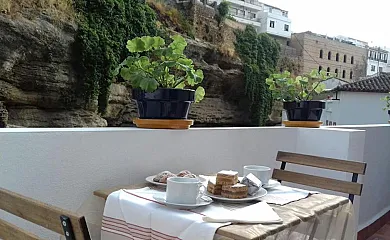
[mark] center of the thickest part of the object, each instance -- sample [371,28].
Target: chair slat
[42,214]
[321,162]
[319,182]
[9,231]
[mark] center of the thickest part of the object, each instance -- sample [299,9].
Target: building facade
[265,18]
[358,103]
[377,61]
[346,60]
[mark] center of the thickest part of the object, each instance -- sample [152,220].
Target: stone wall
[206,27]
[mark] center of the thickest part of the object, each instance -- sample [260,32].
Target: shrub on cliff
[260,54]
[104,28]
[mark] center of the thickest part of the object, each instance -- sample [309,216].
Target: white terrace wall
[64,166]
[375,200]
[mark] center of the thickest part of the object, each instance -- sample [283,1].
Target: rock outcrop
[37,81]
[40,87]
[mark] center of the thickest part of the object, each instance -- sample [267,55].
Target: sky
[368,21]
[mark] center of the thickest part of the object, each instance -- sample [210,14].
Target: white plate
[161,198]
[272,184]
[150,180]
[261,193]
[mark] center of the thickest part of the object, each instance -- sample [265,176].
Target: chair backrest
[352,188]
[69,224]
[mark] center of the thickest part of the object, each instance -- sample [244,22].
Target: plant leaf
[148,84]
[320,88]
[269,81]
[126,73]
[178,45]
[136,45]
[199,94]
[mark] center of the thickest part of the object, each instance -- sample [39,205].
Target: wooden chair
[352,188]
[71,225]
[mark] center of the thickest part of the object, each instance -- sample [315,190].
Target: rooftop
[342,39]
[378,84]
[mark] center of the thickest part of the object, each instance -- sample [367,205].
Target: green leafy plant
[285,87]
[104,26]
[387,101]
[260,55]
[154,64]
[223,9]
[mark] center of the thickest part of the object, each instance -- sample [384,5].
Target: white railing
[64,166]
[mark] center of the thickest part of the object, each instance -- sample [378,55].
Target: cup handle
[202,190]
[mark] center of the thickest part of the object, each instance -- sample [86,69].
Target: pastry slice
[214,188]
[236,191]
[227,177]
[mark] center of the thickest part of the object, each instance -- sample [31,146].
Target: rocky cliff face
[40,87]
[37,81]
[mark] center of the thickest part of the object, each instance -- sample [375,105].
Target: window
[336,72]
[345,58]
[319,68]
[321,53]
[372,68]
[329,55]
[370,54]
[327,71]
[288,43]
[352,60]
[253,15]
[351,75]
[343,73]
[286,27]
[380,69]
[272,24]
[337,57]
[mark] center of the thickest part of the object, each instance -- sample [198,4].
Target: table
[320,216]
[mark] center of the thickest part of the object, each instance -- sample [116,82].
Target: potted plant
[387,101]
[161,77]
[297,93]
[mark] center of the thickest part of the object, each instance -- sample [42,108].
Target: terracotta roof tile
[379,84]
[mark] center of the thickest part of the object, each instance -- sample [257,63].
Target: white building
[265,18]
[377,61]
[358,102]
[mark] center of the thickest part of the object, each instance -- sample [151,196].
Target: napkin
[260,213]
[282,195]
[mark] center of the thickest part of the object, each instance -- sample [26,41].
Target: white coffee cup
[181,190]
[261,172]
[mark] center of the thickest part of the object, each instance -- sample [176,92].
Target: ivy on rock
[103,31]
[260,54]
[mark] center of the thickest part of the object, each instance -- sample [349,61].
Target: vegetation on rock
[172,18]
[223,10]
[260,54]
[160,66]
[104,28]
[58,9]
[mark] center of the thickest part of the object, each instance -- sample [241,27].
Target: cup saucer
[161,198]
[272,184]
